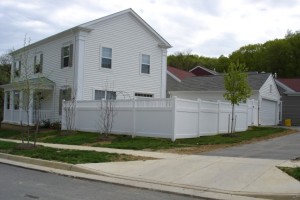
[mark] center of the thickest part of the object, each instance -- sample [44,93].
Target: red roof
[292,83]
[179,73]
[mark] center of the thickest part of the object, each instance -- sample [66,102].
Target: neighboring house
[290,96]
[174,76]
[114,57]
[202,71]
[212,88]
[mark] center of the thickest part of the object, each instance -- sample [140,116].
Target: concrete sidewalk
[219,175]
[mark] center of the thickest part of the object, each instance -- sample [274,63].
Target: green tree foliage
[236,85]
[281,56]
[186,61]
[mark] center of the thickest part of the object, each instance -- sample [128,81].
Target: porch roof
[35,83]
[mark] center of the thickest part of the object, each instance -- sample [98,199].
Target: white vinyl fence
[165,118]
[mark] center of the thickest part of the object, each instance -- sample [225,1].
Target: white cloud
[209,28]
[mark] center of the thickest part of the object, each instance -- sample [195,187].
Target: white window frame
[16,100]
[37,61]
[105,94]
[141,63]
[101,57]
[143,95]
[17,68]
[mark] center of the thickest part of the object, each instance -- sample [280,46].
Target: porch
[29,104]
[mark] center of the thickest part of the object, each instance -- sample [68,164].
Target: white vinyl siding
[128,39]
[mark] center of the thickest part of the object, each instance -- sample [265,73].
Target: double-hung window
[145,64]
[7,100]
[67,56]
[102,94]
[17,68]
[38,63]
[106,57]
[64,94]
[16,100]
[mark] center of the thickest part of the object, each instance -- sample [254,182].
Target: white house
[117,56]
[211,88]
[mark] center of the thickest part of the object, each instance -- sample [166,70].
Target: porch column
[30,106]
[12,106]
[21,108]
[79,64]
[4,106]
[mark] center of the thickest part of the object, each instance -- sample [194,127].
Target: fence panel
[165,118]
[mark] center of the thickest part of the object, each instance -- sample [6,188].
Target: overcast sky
[207,27]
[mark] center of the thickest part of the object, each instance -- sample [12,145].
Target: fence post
[199,113]
[174,99]
[218,124]
[134,118]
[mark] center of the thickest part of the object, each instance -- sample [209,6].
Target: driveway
[281,148]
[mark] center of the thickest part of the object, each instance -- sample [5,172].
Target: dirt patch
[26,146]
[125,157]
[207,148]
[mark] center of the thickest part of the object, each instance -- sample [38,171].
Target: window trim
[7,106]
[17,68]
[105,94]
[143,95]
[66,88]
[101,57]
[141,64]
[16,102]
[38,65]
[70,56]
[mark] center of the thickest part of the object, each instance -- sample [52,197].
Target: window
[66,56]
[145,64]
[64,94]
[106,57]
[17,68]
[7,100]
[102,94]
[143,95]
[16,100]
[38,63]
[271,88]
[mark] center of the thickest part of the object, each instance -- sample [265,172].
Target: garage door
[268,112]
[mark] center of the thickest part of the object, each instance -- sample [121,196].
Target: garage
[268,112]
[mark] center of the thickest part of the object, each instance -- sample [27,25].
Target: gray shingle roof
[216,83]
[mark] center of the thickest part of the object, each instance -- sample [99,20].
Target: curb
[72,170]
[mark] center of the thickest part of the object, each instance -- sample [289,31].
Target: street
[281,148]
[19,183]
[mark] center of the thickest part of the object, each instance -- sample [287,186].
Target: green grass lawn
[67,156]
[140,143]
[294,172]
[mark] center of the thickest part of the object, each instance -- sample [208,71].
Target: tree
[5,66]
[236,85]
[26,81]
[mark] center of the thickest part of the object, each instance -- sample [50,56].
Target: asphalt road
[281,148]
[19,183]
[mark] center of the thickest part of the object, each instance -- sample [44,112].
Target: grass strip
[64,155]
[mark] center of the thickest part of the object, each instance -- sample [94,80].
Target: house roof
[292,83]
[216,83]
[179,73]
[35,83]
[199,70]
[86,27]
